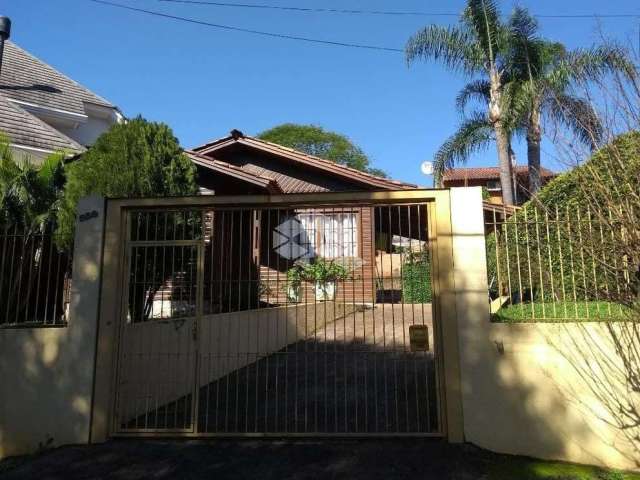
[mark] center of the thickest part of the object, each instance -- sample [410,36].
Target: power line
[312,10]
[384,12]
[247,30]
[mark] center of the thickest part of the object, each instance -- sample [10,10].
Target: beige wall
[158,357]
[46,374]
[555,391]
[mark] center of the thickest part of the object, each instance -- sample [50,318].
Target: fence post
[86,280]
[470,278]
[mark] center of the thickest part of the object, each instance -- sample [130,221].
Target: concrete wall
[46,374]
[158,357]
[556,391]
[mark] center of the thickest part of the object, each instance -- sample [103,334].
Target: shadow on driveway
[249,459]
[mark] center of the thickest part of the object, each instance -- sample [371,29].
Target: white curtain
[329,235]
[339,236]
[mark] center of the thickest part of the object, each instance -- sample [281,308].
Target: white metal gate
[301,319]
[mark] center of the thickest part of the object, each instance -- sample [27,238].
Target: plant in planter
[295,278]
[325,274]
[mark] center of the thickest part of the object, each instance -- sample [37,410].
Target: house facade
[44,111]
[489,179]
[366,240]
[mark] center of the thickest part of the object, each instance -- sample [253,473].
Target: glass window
[329,235]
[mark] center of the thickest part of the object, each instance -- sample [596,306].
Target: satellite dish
[427,168]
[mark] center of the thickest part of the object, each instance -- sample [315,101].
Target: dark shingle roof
[27,130]
[487,173]
[28,79]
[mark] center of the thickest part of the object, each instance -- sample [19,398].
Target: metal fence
[35,279]
[559,264]
[302,319]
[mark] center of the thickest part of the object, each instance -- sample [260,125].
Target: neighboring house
[43,111]
[362,236]
[489,177]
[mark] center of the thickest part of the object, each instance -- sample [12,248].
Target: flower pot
[293,293]
[325,290]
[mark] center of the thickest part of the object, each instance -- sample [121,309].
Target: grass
[522,468]
[562,312]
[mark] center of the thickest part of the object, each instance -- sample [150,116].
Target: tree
[29,195]
[317,141]
[543,73]
[478,46]
[537,80]
[133,159]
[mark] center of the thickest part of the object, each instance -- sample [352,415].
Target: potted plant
[294,282]
[324,274]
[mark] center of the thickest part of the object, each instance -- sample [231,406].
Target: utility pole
[5,32]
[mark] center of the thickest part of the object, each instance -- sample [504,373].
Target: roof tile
[487,173]
[26,129]
[26,78]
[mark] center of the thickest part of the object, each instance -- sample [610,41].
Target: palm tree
[479,45]
[29,195]
[537,80]
[543,74]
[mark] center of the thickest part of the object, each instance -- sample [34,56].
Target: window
[329,235]
[493,185]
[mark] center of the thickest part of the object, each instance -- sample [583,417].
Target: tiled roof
[27,79]
[27,130]
[234,171]
[290,184]
[487,173]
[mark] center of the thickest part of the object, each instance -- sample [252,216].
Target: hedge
[564,245]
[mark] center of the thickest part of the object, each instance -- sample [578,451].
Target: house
[364,239]
[43,111]
[489,178]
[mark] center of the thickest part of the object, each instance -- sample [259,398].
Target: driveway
[251,459]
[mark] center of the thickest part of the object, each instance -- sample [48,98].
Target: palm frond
[475,134]
[478,90]
[518,97]
[50,172]
[482,17]
[577,115]
[593,63]
[452,46]
[522,24]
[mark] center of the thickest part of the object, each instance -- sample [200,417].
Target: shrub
[564,244]
[416,278]
[133,159]
[323,271]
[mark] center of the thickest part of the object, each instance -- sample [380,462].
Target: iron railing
[223,335]
[35,279]
[557,264]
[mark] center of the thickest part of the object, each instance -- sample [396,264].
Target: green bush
[133,159]
[564,245]
[416,278]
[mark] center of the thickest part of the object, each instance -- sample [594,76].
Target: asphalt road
[253,459]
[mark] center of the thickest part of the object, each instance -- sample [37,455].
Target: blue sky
[204,82]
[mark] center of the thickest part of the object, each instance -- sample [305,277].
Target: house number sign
[88,215]
[419,338]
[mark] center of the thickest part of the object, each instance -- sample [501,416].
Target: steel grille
[35,279]
[296,320]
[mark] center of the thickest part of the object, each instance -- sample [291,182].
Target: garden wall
[46,374]
[556,391]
